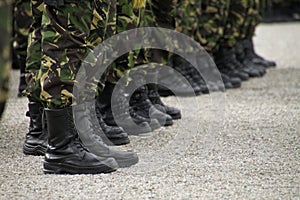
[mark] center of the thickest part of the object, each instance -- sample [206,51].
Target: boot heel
[50,168]
[34,150]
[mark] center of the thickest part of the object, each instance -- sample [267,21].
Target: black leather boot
[154,97]
[251,55]
[142,106]
[66,153]
[36,139]
[254,70]
[231,83]
[104,110]
[157,102]
[171,85]
[22,81]
[227,64]
[92,138]
[190,73]
[179,88]
[115,134]
[2,107]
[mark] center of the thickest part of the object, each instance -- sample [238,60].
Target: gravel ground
[250,151]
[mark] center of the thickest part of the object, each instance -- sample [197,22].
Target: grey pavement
[248,149]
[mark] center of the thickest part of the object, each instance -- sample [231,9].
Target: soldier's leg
[61,60]
[204,22]
[160,14]
[101,30]
[225,58]
[163,14]
[5,9]
[187,22]
[22,19]
[128,18]
[36,139]
[239,21]
[254,16]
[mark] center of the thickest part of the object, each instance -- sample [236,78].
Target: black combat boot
[115,134]
[142,106]
[36,139]
[104,111]
[2,106]
[253,69]
[251,55]
[179,87]
[231,83]
[92,138]
[66,153]
[112,135]
[154,97]
[22,83]
[227,64]
[190,74]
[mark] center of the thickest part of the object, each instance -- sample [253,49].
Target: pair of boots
[249,56]
[197,85]
[66,152]
[144,113]
[241,61]
[228,64]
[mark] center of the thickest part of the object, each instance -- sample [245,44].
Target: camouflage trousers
[69,34]
[243,17]
[94,22]
[34,52]
[5,9]
[127,18]
[215,23]
[203,20]
[22,19]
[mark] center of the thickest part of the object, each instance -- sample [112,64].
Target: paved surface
[253,154]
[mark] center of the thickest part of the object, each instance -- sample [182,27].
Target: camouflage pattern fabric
[34,52]
[204,21]
[69,34]
[234,23]
[52,80]
[65,30]
[253,17]
[127,18]
[160,14]
[243,18]
[22,19]
[5,12]
[155,14]
[218,23]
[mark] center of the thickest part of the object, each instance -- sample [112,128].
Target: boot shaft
[35,112]
[61,128]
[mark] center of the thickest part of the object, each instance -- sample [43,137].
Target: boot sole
[34,150]
[165,123]
[137,131]
[128,162]
[168,123]
[61,168]
[164,93]
[175,116]
[119,141]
